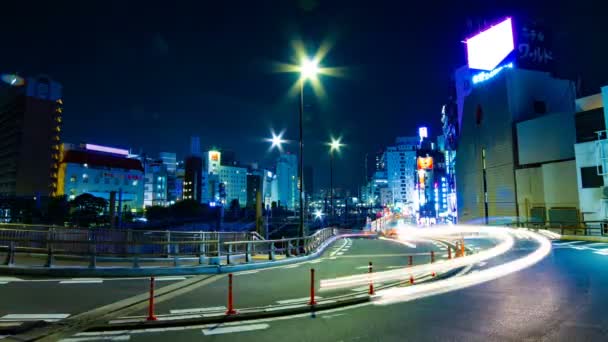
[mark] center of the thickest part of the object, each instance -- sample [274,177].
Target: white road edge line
[33,317]
[297,300]
[97,338]
[81,281]
[198,310]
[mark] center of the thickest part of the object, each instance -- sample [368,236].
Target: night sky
[148,75]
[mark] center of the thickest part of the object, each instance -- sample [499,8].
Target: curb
[240,316]
[247,314]
[584,238]
[120,271]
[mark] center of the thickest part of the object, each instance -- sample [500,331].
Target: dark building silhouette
[192,179]
[30,141]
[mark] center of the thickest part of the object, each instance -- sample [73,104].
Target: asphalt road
[561,298]
[26,299]
[291,283]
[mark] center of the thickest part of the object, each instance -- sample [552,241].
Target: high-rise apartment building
[30,126]
[287,180]
[401,169]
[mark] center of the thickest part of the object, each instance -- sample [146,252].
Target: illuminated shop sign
[99,148]
[484,76]
[425,163]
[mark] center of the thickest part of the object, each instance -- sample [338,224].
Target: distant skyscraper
[30,126]
[287,180]
[192,179]
[401,169]
[195,146]
[170,160]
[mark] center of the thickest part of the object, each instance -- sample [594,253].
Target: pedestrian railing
[589,228]
[31,244]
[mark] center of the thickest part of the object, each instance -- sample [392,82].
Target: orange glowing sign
[425,163]
[215,156]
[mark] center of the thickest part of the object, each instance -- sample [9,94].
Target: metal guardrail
[588,228]
[135,246]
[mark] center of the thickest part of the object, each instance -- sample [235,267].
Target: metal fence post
[93,256]
[10,257]
[49,242]
[229,254]
[168,235]
[271,252]
[248,252]
[288,250]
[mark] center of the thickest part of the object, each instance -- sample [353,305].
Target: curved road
[561,298]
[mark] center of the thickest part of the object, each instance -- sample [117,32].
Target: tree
[57,210]
[157,212]
[87,209]
[235,208]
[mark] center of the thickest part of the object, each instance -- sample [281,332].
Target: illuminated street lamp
[276,141]
[334,145]
[309,69]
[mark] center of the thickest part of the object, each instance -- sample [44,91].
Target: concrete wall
[560,185]
[590,199]
[547,138]
[530,190]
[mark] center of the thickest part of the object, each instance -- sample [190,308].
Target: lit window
[73,179]
[135,183]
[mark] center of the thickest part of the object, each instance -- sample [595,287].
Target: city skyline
[173,79]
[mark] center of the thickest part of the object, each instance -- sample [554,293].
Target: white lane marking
[291,266]
[315,261]
[297,300]
[97,338]
[338,250]
[341,253]
[235,329]
[196,310]
[247,272]
[597,244]
[332,316]
[9,279]
[567,243]
[169,278]
[366,267]
[602,251]
[33,317]
[332,258]
[89,281]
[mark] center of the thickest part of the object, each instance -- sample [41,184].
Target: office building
[99,171]
[496,141]
[400,161]
[287,181]
[234,179]
[169,160]
[30,130]
[193,169]
[195,146]
[155,183]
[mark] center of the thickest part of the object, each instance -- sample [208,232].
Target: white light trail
[502,234]
[395,295]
